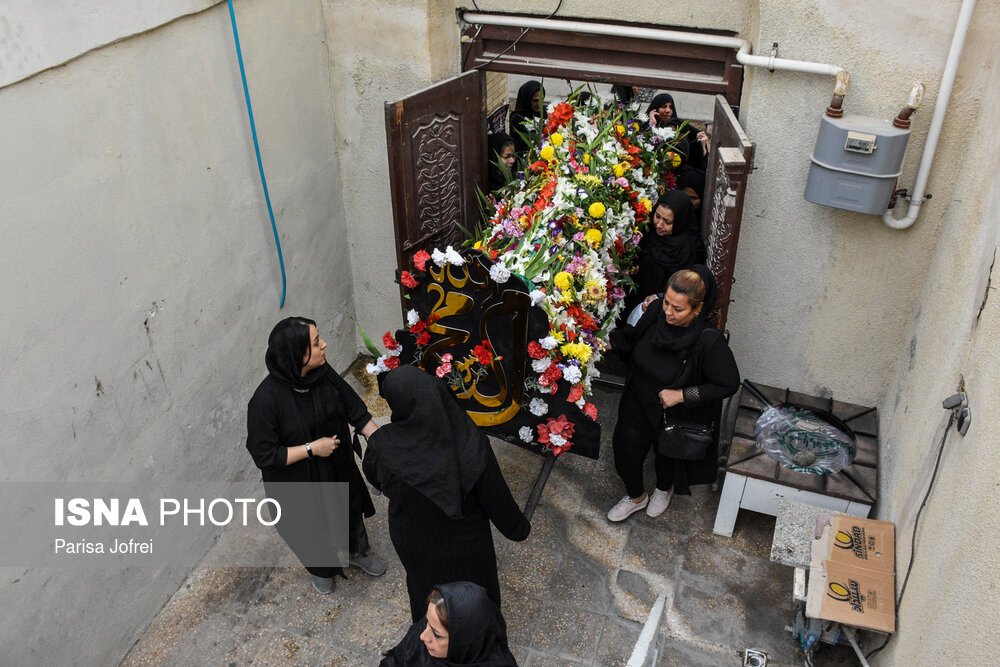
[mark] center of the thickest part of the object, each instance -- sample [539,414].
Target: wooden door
[729,163]
[437,158]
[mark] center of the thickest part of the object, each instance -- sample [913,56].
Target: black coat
[435,548]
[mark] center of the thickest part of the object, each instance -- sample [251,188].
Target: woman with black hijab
[673,244]
[680,367]
[461,627]
[527,108]
[662,112]
[500,150]
[444,488]
[297,431]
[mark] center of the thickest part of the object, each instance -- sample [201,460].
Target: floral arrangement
[568,227]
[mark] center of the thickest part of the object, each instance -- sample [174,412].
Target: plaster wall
[139,280]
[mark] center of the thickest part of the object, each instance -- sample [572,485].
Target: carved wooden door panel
[729,163]
[437,146]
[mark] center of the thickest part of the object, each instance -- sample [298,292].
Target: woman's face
[535,101]
[663,220]
[434,636]
[677,309]
[315,356]
[664,113]
[507,156]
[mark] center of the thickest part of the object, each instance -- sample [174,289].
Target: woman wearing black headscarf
[680,367]
[444,488]
[674,243]
[499,150]
[461,627]
[527,108]
[297,431]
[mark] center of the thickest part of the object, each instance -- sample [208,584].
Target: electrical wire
[916,524]
[524,31]
[256,147]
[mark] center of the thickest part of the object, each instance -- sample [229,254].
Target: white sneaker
[625,508]
[659,501]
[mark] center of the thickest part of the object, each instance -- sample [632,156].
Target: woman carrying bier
[297,431]
[680,368]
[673,244]
[461,627]
[527,108]
[444,488]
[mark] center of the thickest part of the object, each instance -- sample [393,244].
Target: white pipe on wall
[940,109]
[743,46]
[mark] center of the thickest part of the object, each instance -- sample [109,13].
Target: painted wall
[139,279]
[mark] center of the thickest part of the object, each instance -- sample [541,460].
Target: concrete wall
[139,279]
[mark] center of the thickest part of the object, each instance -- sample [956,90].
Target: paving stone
[635,585]
[617,641]
[581,582]
[672,653]
[711,618]
[567,633]
[654,550]
[520,612]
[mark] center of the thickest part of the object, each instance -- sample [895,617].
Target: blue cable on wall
[256,147]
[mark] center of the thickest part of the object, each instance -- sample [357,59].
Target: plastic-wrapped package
[802,440]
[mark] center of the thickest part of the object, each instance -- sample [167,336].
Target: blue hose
[256,147]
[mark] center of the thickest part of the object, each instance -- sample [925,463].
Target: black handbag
[687,441]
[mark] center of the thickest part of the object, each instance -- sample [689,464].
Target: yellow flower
[646,203]
[586,158]
[563,280]
[674,158]
[593,237]
[596,210]
[620,129]
[557,334]
[594,291]
[618,170]
[547,153]
[479,244]
[556,139]
[581,351]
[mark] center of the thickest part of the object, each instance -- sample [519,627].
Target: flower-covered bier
[571,224]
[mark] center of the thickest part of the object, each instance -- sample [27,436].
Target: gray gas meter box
[856,163]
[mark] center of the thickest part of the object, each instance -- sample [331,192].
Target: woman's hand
[648,300]
[324,446]
[671,397]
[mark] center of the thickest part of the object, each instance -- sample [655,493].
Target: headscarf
[661,100]
[681,245]
[477,633]
[673,337]
[495,143]
[522,105]
[286,346]
[623,92]
[431,443]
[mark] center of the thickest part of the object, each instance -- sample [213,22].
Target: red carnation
[420,260]
[408,280]
[389,342]
[552,374]
[418,327]
[423,338]
[590,410]
[536,351]
[575,394]
[392,362]
[484,356]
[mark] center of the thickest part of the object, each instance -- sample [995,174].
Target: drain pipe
[940,109]
[743,46]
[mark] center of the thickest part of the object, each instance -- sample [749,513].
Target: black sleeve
[720,377]
[623,339]
[263,440]
[355,409]
[369,465]
[494,495]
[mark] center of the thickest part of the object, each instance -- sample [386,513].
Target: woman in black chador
[673,243]
[461,627]
[444,488]
[527,108]
[679,367]
[297,431]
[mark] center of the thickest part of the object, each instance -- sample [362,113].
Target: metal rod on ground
[536,490]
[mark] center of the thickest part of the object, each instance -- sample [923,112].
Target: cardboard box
[852,595]
[859,542]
